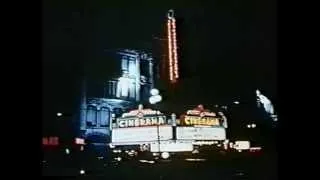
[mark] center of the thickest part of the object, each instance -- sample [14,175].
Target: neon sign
[141,117]
[172,47]
[202,117]
[197,120]
[137,122]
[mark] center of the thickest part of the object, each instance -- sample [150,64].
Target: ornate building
[130,87]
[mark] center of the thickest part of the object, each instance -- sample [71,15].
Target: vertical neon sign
[172,47]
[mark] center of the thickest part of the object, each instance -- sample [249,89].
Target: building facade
[131,86]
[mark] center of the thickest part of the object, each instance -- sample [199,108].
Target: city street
[232,167]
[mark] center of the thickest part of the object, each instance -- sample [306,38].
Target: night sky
[227,48]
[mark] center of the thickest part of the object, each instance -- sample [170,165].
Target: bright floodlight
[236,102]
[154,92]
[59,114]
[248,126]
[165,155]
[253,125]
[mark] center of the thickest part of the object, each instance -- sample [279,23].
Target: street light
[59,114]
[248,126]
[154,92]
[236,102]
[253,125]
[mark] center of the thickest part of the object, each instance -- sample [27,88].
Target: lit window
[132,90]
[123,87]
[91,115]
[124,64]
[132,68]
[105,116]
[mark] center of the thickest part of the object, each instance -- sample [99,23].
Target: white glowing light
[158,98]
[236,102]
[267,104]
[67,151]
[242,145]
[59,114]
[82,171]
[196,151]
[191,159]
[165,155]
[111,145]
[155,99]
[201,133]
[116,151]
[253,125]
[248,126]
[154,92]
[146,161]
[137,135]
[152,100]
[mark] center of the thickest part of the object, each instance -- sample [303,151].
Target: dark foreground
[229,167]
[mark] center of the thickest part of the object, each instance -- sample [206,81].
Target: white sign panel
[242,145]
[201,133]
[172,147]
[137,135]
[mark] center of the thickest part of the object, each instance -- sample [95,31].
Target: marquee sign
[142,121]
[198,120]
[141,117]
[200,116]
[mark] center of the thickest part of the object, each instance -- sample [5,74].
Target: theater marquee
[198,120]
[143,121]
[141,117]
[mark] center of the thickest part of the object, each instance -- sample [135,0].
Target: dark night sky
[228,48]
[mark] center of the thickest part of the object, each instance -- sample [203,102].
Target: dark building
[130,86]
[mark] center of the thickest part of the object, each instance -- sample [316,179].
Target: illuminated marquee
[145,121]
[201,116]
[198,120]
[141,117]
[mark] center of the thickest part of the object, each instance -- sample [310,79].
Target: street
[255,168]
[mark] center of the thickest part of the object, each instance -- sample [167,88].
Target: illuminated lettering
[208,121]
[122,123]
[142,122]
[187,120]
[161,120]
[148,122]
[131,122]
[154,121]
[136,122]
